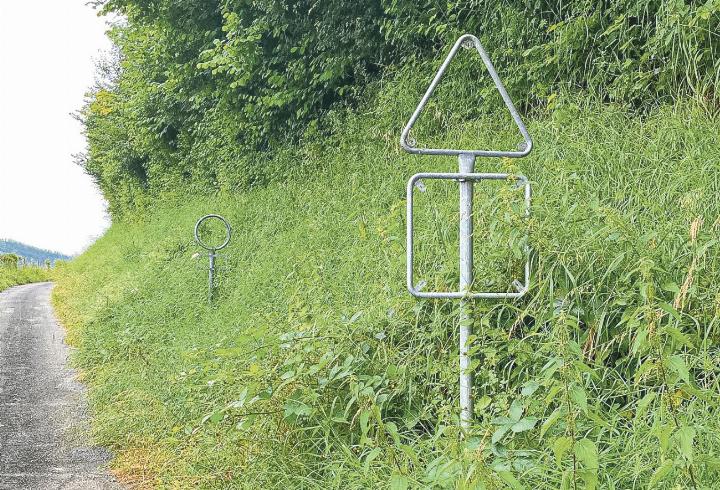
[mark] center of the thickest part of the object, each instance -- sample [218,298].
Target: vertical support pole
[467,165]
[211,279]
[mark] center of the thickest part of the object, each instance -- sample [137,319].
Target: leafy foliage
[201,90]
[315,369]
[12,275]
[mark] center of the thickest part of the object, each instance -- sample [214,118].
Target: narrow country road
[43,414]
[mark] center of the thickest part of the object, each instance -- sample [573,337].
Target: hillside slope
[315,369]
[31,254]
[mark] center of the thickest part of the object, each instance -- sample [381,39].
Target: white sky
[47,55]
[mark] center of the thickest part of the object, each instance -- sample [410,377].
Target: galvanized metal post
[211,278]
[467,166]
[212,248]
[466,176]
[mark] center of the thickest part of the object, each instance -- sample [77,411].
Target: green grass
[315,369]
[11,276]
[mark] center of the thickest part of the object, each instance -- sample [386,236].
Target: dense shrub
[13,276]
[315,368]
[201,89]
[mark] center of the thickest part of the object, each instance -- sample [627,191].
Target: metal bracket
[521,288]
[410,148]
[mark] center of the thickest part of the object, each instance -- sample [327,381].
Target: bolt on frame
[466,178]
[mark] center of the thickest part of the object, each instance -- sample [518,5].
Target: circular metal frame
[228,232]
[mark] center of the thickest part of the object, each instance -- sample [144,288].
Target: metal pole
[466,159]
[210,276]
[467,165]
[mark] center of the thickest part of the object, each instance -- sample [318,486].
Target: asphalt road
[43,413]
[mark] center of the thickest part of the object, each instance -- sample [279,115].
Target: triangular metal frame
[500,87]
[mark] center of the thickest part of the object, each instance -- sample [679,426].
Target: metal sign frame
[212,250]
[466,177]
[467,40]
[520,288]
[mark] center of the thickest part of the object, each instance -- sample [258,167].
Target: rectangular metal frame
[521,288]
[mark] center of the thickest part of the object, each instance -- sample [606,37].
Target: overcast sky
[47,53]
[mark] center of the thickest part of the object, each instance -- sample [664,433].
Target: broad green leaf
[595,416]
[473,442]
[524,424]
[586,452]
[294,408]
[581,366]
[663,433]
[529,388]
[410,453]
[364,418]
[560,448]
[589,477]
[567,482]
[661,473]
[705,247]
[214,417]
[516,410]
[551,367]
[678,336]
[552,393]
[640,342]
[550,421]
[391,428]
[669,308]
[645,367]
[677,364]
[503,421]
[711,462]
[371,457]
[705,395]
[499,433]
[483,402]
[399,482]
[511,481]
[685,437]
[578,395]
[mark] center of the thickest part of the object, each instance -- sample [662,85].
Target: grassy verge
[13,277]
[314,368]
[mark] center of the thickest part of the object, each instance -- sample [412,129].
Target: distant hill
[31,254]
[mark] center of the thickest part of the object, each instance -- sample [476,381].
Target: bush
[203,90]
[316,369]
[13,276]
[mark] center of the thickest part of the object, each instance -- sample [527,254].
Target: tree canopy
[200,90]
